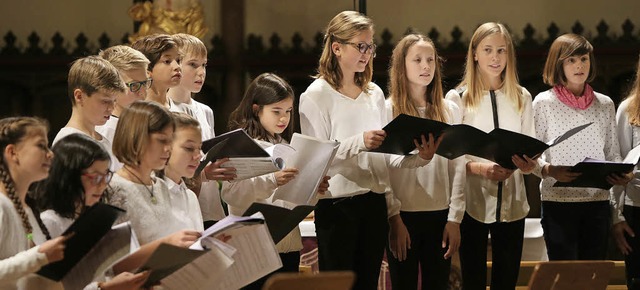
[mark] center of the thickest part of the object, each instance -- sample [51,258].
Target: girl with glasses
[78,179]
[343,104]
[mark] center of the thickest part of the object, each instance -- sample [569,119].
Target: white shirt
[599,141]
[106,144]
[329,115]
[436,186]
[55,223]
[482,193]
[628,137]
[184,204]
[108,130]
[201,112]
[18,262]
[239,195]
[148,220]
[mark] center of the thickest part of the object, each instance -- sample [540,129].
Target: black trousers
[352,234]
[632,261]
[426,254]
[506,245]
[576,230]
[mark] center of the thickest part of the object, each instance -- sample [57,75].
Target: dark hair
[265,89]
[12,131]
[566,46]
[63,190]
[152,46]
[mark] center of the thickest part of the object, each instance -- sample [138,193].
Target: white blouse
[184,204]
[436,186]
[150,221]
[482,193]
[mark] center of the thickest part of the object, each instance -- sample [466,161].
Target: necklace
[153,197]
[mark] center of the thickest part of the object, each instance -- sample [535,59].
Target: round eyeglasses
[363,47]
[134,87]
[97,178]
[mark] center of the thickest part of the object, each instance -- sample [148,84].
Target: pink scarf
[577,102]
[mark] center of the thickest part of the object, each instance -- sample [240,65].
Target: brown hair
[13,130]
[633,110]
[134,128]
[563,47]
[472,76]
[153,46]
[398,83]
[341,28]
[91,74]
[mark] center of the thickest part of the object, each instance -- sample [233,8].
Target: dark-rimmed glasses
[134,87]
[363,47]
[97,178]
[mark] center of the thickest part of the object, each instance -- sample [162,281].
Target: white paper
[633,156]
[247,167]
[256,257]
[202,273]
[116,244]
[312,159]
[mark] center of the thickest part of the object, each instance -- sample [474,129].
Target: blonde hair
[91,74]
[341,28]
[135,127]
[563,47]
[190,45]
[472,76]
[125,58]
[633,110]
[399,85]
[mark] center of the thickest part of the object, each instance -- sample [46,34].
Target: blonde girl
[425,231]
[496,202]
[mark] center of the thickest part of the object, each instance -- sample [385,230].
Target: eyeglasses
[134,87]
[363,47]
[97,178]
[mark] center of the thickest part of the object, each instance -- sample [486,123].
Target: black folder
[236,143]
[460,139]
[594,173]
[280,220]
[87,231]
[167,259]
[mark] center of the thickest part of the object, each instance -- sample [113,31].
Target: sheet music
[312,159]
[202,273]
[633,157]
[247,167]
[117,243]
[257,256]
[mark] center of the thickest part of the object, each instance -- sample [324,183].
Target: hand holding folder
[498,145]
[245,155]
[597,173]
[85,232]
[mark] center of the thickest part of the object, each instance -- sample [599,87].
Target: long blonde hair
[633,110]
[341,28]
[472,79]
[398,83]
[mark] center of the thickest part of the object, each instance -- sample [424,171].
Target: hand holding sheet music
[595,173]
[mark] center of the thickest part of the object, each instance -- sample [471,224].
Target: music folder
[88,229]
[279,219]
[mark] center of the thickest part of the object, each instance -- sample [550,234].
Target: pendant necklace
[154,200]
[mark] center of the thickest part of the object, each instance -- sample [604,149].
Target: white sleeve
[315,124]
[241,194]
[22,264]
[625,141]
[541,128]
[457,203]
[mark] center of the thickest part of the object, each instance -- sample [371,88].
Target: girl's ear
[335,48]
[10,153]
[256,109]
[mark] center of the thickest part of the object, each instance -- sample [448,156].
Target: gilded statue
[169,17]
